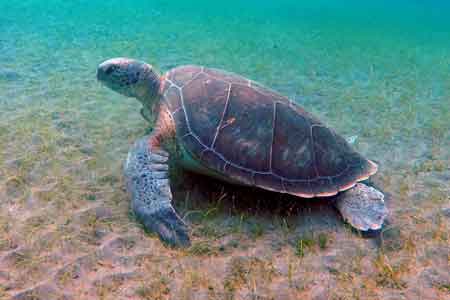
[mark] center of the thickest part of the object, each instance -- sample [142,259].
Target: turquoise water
[378,72]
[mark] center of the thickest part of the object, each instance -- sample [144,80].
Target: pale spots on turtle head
[129,77]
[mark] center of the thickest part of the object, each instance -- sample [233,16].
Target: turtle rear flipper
[146,173]
[362,207]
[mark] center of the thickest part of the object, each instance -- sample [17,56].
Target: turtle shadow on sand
[198,197]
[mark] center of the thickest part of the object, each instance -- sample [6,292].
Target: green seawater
[376,72]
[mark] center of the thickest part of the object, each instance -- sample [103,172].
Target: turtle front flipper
[146,173]
[362,207]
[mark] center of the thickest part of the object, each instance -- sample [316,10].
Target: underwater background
[377,72]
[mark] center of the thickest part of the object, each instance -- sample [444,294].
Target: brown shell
[255,136]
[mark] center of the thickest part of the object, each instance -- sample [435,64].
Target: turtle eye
[110,69]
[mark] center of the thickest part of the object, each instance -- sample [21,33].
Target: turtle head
[131,78]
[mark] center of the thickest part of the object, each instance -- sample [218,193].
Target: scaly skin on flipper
[146,174]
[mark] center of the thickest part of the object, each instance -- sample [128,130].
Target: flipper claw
[169,227]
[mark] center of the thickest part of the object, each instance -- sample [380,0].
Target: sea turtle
[239,131]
